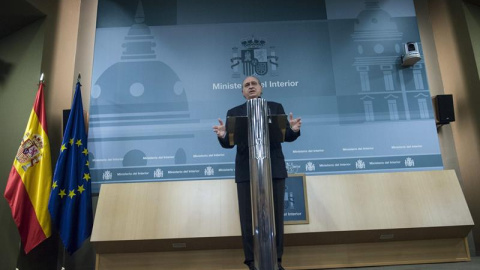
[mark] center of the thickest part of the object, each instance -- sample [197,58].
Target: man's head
[251,87]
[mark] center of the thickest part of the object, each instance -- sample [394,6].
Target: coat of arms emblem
[254,57]
[29,152]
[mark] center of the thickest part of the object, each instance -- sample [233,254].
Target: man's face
[251,88]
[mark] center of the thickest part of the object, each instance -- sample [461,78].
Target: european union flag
[70,203]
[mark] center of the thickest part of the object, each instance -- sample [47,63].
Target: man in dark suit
[252,88]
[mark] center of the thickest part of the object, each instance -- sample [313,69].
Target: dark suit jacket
[242,164]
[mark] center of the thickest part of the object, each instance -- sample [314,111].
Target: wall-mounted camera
[412,54]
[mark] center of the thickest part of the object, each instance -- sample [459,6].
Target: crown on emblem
[38,140]
[253,43]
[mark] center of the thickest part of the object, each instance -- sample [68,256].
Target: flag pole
[42,75]
[19,251]
[63,260]
[79,77]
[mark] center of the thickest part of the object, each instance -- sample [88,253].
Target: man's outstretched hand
[220,129]
[295,124]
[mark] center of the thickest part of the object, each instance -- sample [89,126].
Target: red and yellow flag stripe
[28,186]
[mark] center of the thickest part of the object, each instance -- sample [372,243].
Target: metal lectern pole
[264,240]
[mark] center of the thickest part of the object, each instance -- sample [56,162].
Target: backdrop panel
[164,71]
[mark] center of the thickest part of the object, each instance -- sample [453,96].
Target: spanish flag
[28,186]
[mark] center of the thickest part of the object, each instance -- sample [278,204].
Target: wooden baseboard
[377,254]
[298,257]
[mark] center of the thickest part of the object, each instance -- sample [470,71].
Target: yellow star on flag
[78,143]
[87,164]
[81,189]
[86,176]
[85,151]
[71,141]
[54,185]
[62,193]
[63,148]
[71,194]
